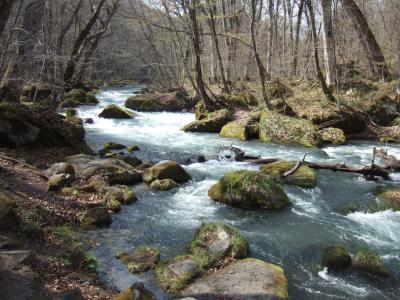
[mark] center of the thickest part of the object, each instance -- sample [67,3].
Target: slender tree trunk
[216,43]
[398,66]
[5,10]
[372,47]
[328,43]
[296,42]
[270,34]
[318,71]
[261,69]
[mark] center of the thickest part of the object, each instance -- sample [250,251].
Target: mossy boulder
[248,278]
[243,129]
[174,274]
[333,136]
[133,148]
[166,169]
[8,215]
[121,193]
[95,217]
[70,112]
[37,93]
[124,177]
[142,259]
[163,184]
[368,261]
[388,198]
[383,110]
[200,110]
[336,258]
[216,241]
[74,120]
[303,177]
[249,189]
[58,181]
[77,97]
[132,160]
[60,168]
[113,146]
[174,101]
[114,111]
[281,129]
[212,123]
[136,292]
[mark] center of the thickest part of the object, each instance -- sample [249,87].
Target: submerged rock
[336,258]
[244,279]
[163,184]
[114,111]
[389,198]
[249,189]
[333,136]
[212,123]
[216,241]
[166,169]
[133,148]
[277,128]
[174,274]
[142,259]
[174,101]
[303,177]
[136,292]
[368,261]
[113,146]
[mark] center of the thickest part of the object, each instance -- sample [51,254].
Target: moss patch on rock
[166,169]
[114,111]
[336,258]
[163,184]
[277,128]
[95,217]
[304,176]
[249,189]
[77,97]
[333,136]
[368,261]
[113,146]
[212,123]
[142,259]
[243,129]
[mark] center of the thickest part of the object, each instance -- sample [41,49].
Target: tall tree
[5,10]
[367,38]
[328,43]
[297,38]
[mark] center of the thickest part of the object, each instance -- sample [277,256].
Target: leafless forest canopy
[198,42]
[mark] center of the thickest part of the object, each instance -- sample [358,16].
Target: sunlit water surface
[292,238]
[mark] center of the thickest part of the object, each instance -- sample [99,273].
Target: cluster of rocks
[213,246]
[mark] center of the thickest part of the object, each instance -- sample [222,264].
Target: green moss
[142,259]
[133,148]
[302,177]
[163,184]
[114,111]
[389,198]
[368,261]
[70,112]
[113,146]
[333,136]
[213,122]
[249,189]
[336,257]
[242,129]
[95,216]
[74,120]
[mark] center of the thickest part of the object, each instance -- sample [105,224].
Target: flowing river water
[292,238]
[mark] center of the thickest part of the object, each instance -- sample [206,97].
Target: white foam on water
[342,284]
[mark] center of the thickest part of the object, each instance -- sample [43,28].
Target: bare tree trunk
[296,42]
[216,43]
[372,47]
[398,66]
[328,43]
[79,42]
[318,71]
[260,66]
[192,7]
[270,34]
[5,10]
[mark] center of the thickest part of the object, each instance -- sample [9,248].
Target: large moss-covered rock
[277,128]
[163,184]
[166,169]
[58,181]
[136,292]
[302,177]
[174,101]
[8,215]
[114,111]
[243,129]
[59,168]
[383,110]
[95,216]
[124,177]
[77,97]
[249,189]
[244,279]
[336,257]
[37,93]
[368,261]
[121,193]
[333,136]
[21,125]
[388,198]
[174,274]
[142,259]
[212,123]
[216,241]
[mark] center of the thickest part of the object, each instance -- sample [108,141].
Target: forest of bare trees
[195,42]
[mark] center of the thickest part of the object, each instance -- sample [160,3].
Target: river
[291,238]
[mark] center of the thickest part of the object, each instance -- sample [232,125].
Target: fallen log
[391,162]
